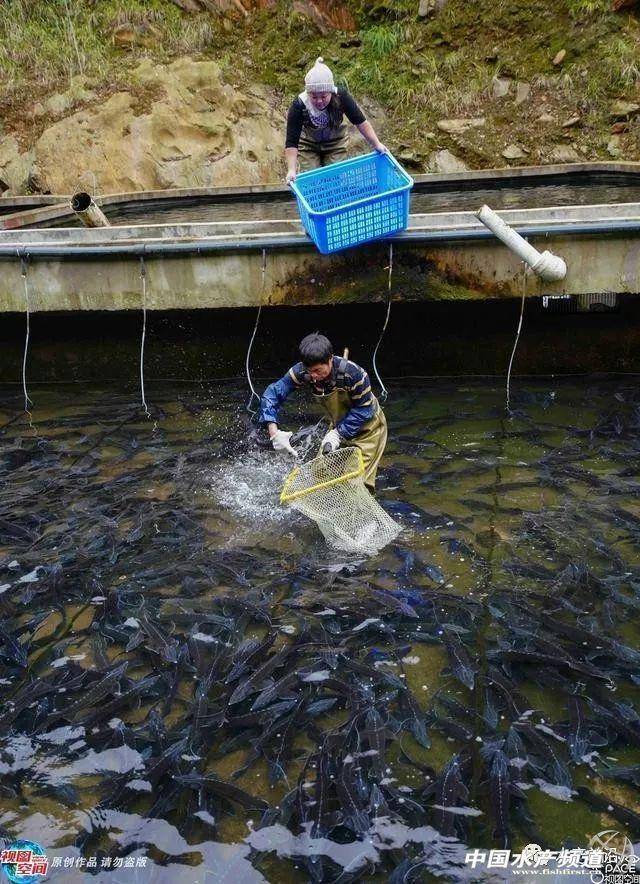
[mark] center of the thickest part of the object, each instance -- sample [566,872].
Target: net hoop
[287,496]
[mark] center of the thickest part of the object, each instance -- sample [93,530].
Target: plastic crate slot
[330,201]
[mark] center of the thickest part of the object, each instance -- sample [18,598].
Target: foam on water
[446,854]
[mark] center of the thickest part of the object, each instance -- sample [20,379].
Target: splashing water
[250,486]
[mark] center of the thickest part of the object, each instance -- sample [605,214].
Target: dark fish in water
[158,642]
[552,764]
[278,752]
[248,654]
[404,871]
[629,774]
[458,547]
[605,805]
[418,721]
[92,695]
[352,798]
[450,793]
[253,684]
[577,736]
[490,713]
[593,645]
[396,600]
[413,514]
[457,709]
[528,569]
[616,717]
[459,659]
[65,793]
[499,791]
[22,699]
[433,572]
[221,789]
[145,687]
[408,559]
[453,729]
[277,689]
[376,735]
[548,660]
[11,650]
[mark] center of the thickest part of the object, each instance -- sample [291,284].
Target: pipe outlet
[545,264]
[87,211]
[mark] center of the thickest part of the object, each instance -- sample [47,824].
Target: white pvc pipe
[544,264]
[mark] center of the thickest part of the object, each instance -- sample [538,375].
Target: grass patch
[419,70]
[48,43]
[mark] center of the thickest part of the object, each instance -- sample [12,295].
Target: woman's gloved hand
[330,442]
[281,441]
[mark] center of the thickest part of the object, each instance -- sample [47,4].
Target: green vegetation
[418,70]
[46,43]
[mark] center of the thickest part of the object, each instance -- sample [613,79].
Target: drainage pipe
[87,211]
[545,264]
[162,249]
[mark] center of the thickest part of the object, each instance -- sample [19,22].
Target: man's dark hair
[315,348]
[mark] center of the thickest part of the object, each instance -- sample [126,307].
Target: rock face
[513,152]
[500,87]
[458,127]
[15,167]
[623,110]
[328,15]
[613,147]
[445,161]
[564,154]
[198,132]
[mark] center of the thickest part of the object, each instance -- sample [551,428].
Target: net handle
[285,497]
[327,449]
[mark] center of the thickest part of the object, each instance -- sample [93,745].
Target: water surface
[473,684]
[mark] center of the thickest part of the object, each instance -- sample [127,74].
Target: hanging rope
[383,390]
[254,395]
[515,343]
[27,401]
[143,279]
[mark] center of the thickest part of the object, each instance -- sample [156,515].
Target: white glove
[281,442]
[330,439]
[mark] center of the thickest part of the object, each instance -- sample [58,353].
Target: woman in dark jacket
[316,130]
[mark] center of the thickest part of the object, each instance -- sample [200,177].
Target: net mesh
[330,490]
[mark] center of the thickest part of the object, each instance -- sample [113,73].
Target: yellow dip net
[330,490]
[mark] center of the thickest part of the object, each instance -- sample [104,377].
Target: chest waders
[321,147]
[371,439]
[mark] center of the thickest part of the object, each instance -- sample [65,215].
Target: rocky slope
[179,93]
[196,131]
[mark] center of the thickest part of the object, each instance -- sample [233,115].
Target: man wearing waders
[316,131]
[343,390]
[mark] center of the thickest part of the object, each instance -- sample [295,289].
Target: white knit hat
[319,78]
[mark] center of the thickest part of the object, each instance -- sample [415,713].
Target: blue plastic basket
[353,201]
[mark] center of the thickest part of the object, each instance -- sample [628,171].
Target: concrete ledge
[29,210]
